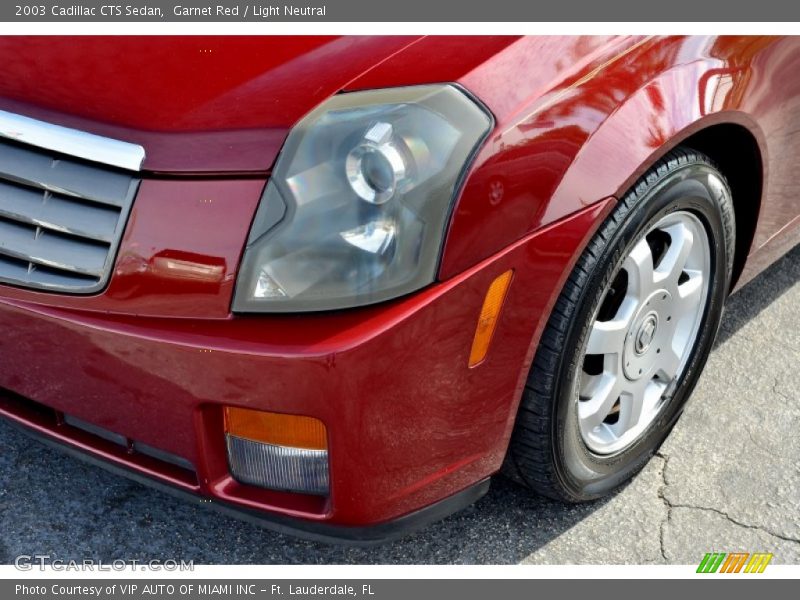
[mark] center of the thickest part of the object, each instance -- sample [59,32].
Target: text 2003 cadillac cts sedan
[337,284]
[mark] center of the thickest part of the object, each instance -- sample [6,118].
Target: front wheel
[629,334]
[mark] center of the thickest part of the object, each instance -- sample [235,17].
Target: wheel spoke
[673,262]
[668,364]
[690,292]
[639,265]
[631,405]
[592,412]
[608,337]
[590,384]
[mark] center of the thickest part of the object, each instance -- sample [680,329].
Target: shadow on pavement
[746,304]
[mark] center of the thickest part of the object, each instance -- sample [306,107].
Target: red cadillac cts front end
[304,279]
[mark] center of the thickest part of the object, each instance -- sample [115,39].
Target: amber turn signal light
[275,428]
[487,321]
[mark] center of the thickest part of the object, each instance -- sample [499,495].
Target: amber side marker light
[495,296]
[277,451]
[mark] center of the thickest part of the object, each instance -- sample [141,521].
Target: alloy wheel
[643,333]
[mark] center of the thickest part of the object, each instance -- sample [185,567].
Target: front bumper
[409,424]
[310,530]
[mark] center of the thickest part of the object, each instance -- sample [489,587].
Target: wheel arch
[731,138]
[736,152]
[735,144]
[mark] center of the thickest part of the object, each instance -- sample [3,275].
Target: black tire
[547,452]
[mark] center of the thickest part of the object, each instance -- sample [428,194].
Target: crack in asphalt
[662,488]
[758,445]
[739,523]
[672,505]
[778,392]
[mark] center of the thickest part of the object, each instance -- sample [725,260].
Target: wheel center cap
[646,333]
[645,338]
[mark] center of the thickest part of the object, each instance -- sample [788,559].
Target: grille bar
[21,273]
[41,247]
[50,211]
[61,220]
[64,176]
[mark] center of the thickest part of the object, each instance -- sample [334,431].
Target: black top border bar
[362,11]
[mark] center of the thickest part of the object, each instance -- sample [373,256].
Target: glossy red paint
[596,113]
[198,104]
[157,354]
[400,438]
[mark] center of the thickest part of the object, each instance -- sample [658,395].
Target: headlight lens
[356,207]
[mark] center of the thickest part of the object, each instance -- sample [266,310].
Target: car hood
[197,105]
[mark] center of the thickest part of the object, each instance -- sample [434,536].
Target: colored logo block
[735,562]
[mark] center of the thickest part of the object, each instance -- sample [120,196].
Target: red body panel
[156,355]
[408,421]
[197,104]
[584,133]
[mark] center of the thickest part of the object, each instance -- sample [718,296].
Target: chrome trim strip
[72,142]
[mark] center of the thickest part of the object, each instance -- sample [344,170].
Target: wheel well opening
[735,151]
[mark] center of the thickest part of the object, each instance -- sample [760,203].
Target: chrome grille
[61,219]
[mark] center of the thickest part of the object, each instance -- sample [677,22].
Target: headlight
[356,208]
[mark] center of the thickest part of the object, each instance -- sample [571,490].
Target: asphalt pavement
[727,479]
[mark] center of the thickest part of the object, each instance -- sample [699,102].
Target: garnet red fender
[593,130]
